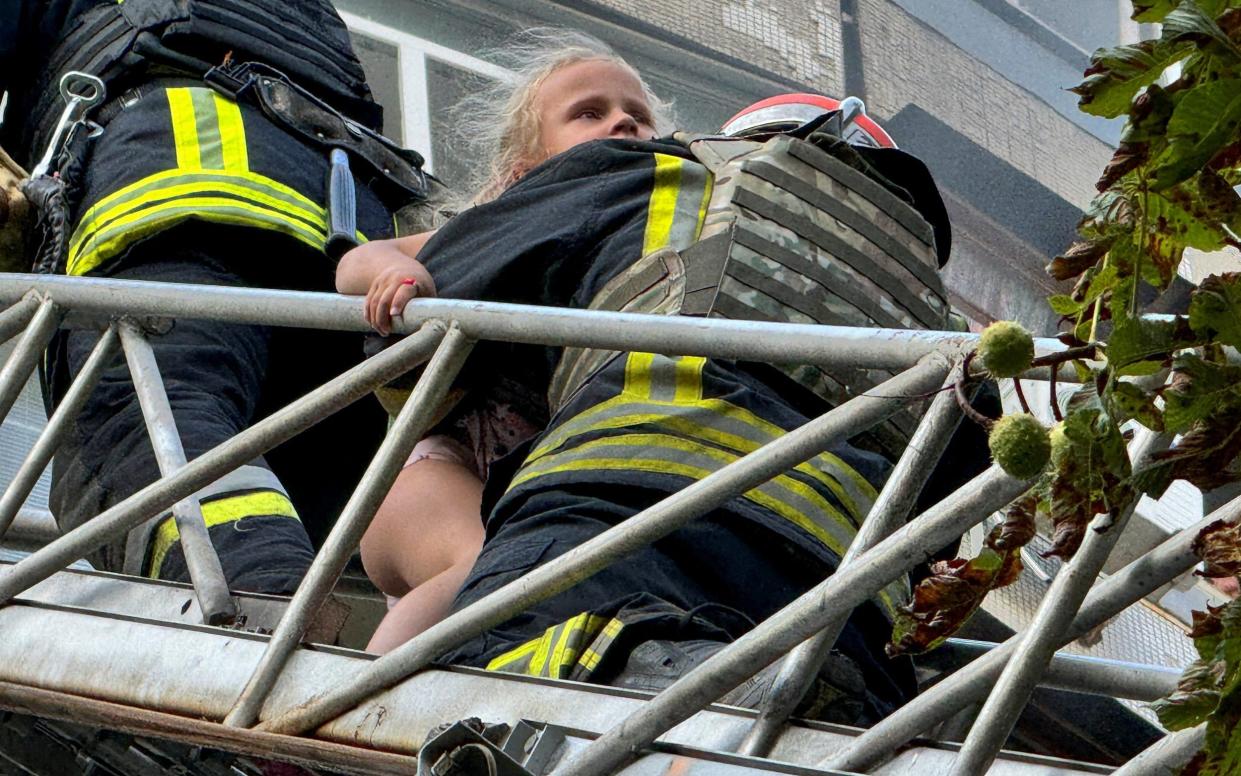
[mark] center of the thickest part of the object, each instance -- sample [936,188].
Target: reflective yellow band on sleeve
[680,192]
[166,198]
[228,509]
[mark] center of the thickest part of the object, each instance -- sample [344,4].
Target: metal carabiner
[81,92]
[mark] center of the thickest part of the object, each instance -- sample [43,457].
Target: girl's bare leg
[421,545]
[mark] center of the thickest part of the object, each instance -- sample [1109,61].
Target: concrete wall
[798,39]
[907,62]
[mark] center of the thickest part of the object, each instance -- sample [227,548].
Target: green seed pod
[1020,445]
[1006,349]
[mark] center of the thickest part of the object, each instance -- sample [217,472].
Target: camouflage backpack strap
[654,284]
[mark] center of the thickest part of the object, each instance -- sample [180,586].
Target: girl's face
[590,100]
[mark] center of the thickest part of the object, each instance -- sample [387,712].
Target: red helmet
[787,111]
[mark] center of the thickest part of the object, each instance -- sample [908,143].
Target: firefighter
[616,224]
[207,163]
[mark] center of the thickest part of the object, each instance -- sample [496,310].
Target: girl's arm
[383,270]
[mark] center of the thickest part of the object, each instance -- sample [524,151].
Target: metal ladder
[150,659]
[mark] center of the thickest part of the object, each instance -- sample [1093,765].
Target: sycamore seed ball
[1020,445]
[1006,349]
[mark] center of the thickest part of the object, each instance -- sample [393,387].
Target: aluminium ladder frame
[445,330]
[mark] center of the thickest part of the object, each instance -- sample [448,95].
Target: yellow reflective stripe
[663,204]
[829,471]
[680,195]
[565,653]
[688,217]
[706,419]
[210,150]
[553,653]
[679,456]
[218,512]
[184,127]
[207,178]
[638,374]
[169,195]
[539,661]
[781,495]
[232,134]
[92,224]
[590,659]
[508,660]
[125,231]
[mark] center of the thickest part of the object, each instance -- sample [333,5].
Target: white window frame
[412,55]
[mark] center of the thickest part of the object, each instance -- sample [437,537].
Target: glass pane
[446,86]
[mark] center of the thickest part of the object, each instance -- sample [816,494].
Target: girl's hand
[392,289]
[387,272]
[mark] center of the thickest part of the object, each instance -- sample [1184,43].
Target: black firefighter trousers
[220,378]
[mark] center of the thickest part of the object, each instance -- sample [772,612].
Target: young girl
[566,89]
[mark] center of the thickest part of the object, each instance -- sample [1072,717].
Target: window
[416,80]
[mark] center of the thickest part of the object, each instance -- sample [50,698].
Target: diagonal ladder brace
[201,559]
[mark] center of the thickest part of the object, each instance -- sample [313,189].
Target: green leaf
[1177,213]
[1089,472]
[1139,369]
[1215,308]
[1205,454]
[1194,22]
[1110,212]
[1063,304]
[1186,709]
[1148,11]
[1216,199]
[1219,547]
[1080,257]
[1103,281]
[1208,691]
[942,602]
[1197,388]
[1115,75]
[1141,339]
[1206,119]
[1131,402]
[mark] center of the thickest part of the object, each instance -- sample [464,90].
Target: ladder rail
[923,359]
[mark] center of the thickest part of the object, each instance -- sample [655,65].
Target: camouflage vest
[790,234]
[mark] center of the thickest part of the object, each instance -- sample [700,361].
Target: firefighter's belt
[397,172]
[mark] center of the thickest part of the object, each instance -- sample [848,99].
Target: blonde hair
[500,122]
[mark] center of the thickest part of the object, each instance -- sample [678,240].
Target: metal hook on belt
[81,92]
